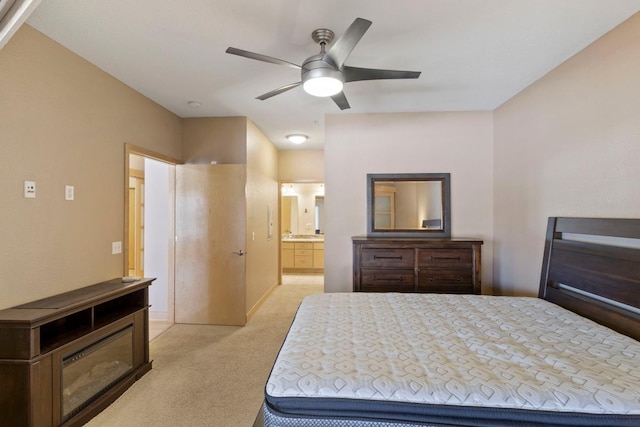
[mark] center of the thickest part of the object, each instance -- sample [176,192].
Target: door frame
[138,262]
[281,182]
[143,152]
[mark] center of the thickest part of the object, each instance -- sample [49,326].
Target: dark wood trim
[578,275]
[614,227]
[444,178]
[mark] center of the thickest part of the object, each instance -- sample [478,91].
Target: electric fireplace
[90,372]
[65,358]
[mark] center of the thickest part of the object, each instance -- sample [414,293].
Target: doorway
[150,230]
[302,228]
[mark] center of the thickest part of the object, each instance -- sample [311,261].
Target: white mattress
[463,350]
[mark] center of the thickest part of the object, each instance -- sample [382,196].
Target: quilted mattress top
[469,350]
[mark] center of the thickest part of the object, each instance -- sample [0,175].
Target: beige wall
[301,165]
[262,194]
[219,139]
[237,140]
[357,144]
[65,122]
[568,145]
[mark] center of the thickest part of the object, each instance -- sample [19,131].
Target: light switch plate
[69,192]
[116,248]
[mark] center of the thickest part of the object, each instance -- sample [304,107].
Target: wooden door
[210,244]
[136,223]
[285,214]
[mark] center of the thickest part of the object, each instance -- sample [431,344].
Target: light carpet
[207,375]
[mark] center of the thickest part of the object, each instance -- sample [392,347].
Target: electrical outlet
[116,248]
[30,189]
[68,192]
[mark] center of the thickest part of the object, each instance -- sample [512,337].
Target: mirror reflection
[408,204]
[302,209]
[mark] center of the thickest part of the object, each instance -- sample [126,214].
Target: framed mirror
[409,205]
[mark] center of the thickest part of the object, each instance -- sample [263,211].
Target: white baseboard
[158,315]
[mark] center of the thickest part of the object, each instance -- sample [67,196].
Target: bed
[570,357]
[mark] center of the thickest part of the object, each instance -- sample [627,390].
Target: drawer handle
[433,258]
[459,279]
[389,279]
[387,257]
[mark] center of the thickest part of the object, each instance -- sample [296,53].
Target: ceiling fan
[325,73]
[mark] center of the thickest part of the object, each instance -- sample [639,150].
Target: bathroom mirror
[302,207]
[409,205]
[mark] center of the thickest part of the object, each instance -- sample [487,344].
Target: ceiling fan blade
[278,91]
[259,57]
[341,101]
[342,48]
[353,74]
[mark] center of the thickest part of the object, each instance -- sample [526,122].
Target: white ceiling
[473,54]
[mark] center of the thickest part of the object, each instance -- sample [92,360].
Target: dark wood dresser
[384,264]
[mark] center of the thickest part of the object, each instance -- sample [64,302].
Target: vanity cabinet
[288,255]
[318,255]
[302,257]
[383,264]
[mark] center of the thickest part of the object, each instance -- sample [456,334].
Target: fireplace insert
[93,370]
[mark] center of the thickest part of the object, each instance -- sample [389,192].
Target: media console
[63,359]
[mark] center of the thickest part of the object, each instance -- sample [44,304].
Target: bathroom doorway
[302,232]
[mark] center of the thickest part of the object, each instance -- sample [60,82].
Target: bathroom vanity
[302,254]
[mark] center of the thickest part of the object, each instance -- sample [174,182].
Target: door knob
[240,252]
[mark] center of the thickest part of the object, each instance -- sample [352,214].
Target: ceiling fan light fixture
[319,79]
[297,138]
[323,86]
[325,73]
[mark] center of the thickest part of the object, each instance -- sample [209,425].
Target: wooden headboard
[598,279]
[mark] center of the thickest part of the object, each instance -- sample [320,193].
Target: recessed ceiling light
[194,104]
[297,138]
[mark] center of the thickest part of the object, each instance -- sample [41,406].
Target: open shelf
[65,329]
[114,309]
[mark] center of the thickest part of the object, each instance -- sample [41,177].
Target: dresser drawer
[304,252]
[454,280]
[373,280]
[387,258]
[445,258]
